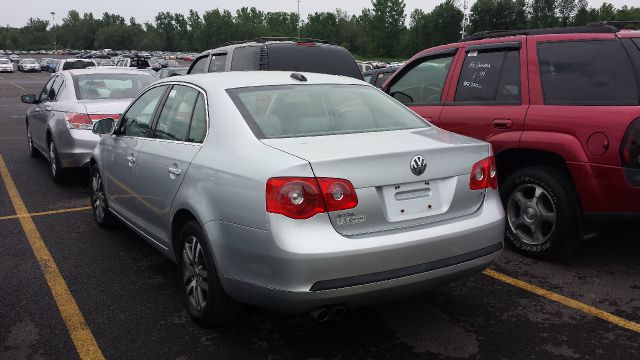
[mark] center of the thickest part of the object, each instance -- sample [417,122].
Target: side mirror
[104,126]
[402,97]
[28,99]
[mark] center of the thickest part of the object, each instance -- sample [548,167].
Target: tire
[57,171]
[206,301]
[33,152]
[542,210]
[99,206]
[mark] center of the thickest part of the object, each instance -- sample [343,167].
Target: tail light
[484,174]
[85,121]
[303,197]
[630,148]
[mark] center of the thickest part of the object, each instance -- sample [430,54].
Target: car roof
[239,79]
[258,42]
[104,70]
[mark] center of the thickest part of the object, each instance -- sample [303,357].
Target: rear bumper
[74,147]
[298,265]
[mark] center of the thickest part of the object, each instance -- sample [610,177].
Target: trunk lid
[390,195]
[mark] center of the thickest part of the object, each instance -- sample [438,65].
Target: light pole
[53,19]
[298,19]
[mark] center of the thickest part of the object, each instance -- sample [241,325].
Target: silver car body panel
[271,260]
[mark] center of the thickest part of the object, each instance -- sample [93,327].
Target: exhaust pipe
[320,314]
[338,312]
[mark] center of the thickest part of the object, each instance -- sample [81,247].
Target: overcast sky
[17,12]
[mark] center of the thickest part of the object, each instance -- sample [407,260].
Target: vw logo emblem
[418,165]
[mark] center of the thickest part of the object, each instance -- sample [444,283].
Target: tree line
[381,30]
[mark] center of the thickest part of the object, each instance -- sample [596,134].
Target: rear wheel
[57,171]
[207,302]
[542,212]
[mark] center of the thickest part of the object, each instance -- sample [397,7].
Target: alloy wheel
[98,197]
[194,274]
[531,214]
[52,158]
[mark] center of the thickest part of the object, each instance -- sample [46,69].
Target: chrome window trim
[206,105]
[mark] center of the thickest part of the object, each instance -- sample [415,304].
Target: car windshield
[70,65]
[314,110]
[5,61]
[29,61]
[110,86]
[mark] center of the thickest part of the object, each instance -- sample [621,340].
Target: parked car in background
[138,62]
[51,65]
[60,120]
[6,65]
[433,214]
[278,54]
[43,63]
[70,64]
[172,71]
[27,64]
[169,63]
[14,57]
[155,64]
[562,110]
[377,77]
[104,62]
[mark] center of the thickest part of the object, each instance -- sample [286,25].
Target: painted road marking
[80,333]
[633,326]
[18,86]
[50,212]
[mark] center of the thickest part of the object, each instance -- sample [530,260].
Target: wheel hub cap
[531,214]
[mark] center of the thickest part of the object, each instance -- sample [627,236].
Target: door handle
[502,123]
[174,171]
[131,159]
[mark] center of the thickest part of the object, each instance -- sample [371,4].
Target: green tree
[386,26]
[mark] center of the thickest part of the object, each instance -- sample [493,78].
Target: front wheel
[207,302]
[542,212]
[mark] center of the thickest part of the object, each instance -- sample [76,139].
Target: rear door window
[423,84]
[218,63]
[593,72]
[198,66]
[490,76]
[198,129]
[175,117]
[245,58]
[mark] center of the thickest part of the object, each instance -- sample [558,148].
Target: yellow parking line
[633,326]
[80,333]
[18,86]
[50,212]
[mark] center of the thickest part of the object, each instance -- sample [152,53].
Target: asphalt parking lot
[69,289]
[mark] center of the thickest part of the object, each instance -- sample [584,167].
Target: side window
[198,129]
[218,63]
[490,76]
[595,72]
[423,84]
[175,117]
[137,120]
[198,66]
[58,87]
[44,94]
[245,58]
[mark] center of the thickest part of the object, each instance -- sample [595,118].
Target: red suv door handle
[502,123]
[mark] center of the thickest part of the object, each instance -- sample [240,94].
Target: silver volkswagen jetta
[297,192]
[60,120]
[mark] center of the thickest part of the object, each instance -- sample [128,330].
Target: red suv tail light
[302,198]
[484,174]
[85,121]
[630,147]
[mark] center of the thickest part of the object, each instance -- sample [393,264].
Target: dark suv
[562,110]
[306,55]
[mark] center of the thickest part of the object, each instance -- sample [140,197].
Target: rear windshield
[321,59]
[29,61]
[139,63]
[70,65]
[110,86]
[315,110]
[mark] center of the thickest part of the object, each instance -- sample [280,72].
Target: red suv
[562,110]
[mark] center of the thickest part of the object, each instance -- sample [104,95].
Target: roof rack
[619,24]
[264,39]
[603,27]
